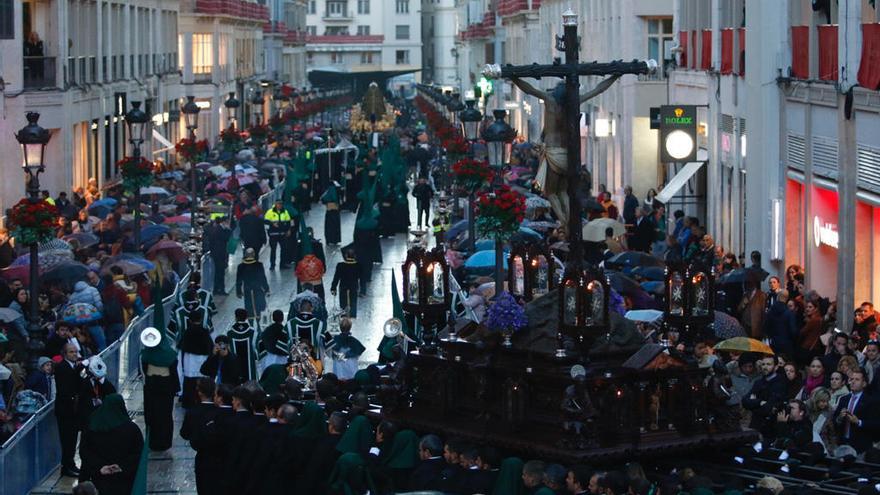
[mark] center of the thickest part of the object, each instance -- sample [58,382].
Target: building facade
[793,152]
[438,42]
[97,57]
[354,37]
[221,52]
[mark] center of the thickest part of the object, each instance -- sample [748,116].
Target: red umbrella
[178,219]
[22,273]
[173,250]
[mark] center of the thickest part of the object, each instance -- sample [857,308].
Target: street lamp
[426,291]
[257,107]
[470,121]
[138,122]
[499,142]
[191,115]
[33,140]
[454,106]
[231,105]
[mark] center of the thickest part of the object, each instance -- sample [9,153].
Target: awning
[164,142]
[682,177]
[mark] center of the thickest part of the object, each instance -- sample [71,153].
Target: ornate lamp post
[426,291]
[190,112]
[470,119]
[257,107]
[33,140]
[530,271]
[499,138]
[454,106]
[583,307]
[690,305]
[231,105]
[138,123]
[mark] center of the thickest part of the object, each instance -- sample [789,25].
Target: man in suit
[643,232]
[855,416]
[67,385]
[426,476]
[194,422]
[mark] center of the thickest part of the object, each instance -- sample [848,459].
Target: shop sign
[825,233]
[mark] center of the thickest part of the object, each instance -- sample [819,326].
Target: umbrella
[204,165]
[646,315]
[623,284]
[128,267]
[737,276]
[21,272]
[79,313]
[483,259]
[167,209]
[134,258]
[155,190]
[82,240]
[525,234]
[153,232]
[653,287]
[744,344]
[272,166]
[534,202]
[628,260]
[594,230]
[217,170]
[69,273]
[45,261]
[456,229]
[652,273]
[727,327]
[100,211]
[485,245]
[185,218]
[306,296]
[181,199]
[591,205]
[57,247]
[7,315]
[173,250]
[108,202]
[560,246]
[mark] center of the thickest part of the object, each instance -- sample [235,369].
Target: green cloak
[110,414]
[509,481]
[162,355]
[404,451]
[312,423]
[357,438]
[350,467]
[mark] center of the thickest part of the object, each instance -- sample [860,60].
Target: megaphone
[392,328]
[97,367]
[150,337]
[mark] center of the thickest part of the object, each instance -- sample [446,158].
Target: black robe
[91,394]
[159,392]
[251,285]
[320,464]
[193,429]
[121,445]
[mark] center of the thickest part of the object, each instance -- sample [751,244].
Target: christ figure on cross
[552,174]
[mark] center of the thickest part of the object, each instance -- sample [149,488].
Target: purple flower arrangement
[505,315]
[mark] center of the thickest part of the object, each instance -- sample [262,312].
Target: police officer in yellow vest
[279,222]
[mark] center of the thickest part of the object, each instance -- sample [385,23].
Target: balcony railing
[39,72]
[338,16]
[346,39]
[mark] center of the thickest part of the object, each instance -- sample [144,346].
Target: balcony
[344,16]
[237,9]
[513,7]
[81,70]
[341,39]
[39,72]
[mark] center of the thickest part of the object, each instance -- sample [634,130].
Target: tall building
[360,41]
[438,42]
[222,51]
[97,57]
[793,153]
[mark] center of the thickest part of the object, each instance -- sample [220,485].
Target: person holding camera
[767,397]
[794,431]
[221,366]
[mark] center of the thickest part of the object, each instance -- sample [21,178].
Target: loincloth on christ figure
[554,163]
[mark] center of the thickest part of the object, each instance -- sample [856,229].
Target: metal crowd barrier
[34,451]
[267,200]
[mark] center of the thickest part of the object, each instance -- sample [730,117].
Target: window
[7,16]
[312,30]
[402,57]
[313,6]
[202,53]
[363,30]
[402,32]
[336,31]
[660,40]
[310,58]
[367,57]
[403,6]
[363,6]
[336,58]
[336,9]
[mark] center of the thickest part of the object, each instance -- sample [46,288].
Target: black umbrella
[628,260]
[653,273]
[739,276]
[68,273]
[623,284]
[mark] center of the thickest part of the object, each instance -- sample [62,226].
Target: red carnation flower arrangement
[259,133]
[232,139]
[500,213]
[136,173]
[192,151]
[33,222]
[471,174]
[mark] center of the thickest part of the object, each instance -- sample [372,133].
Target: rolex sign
[678,133]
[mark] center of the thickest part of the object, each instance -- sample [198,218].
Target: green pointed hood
[509,480]
[350,467]
[404,451]
[110,414]
[305,241]
[162,355]
[312,423]
[368,214]
[358,438]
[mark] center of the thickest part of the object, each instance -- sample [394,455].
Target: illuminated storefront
[812,237]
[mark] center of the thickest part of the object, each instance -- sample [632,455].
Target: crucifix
[560,166]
